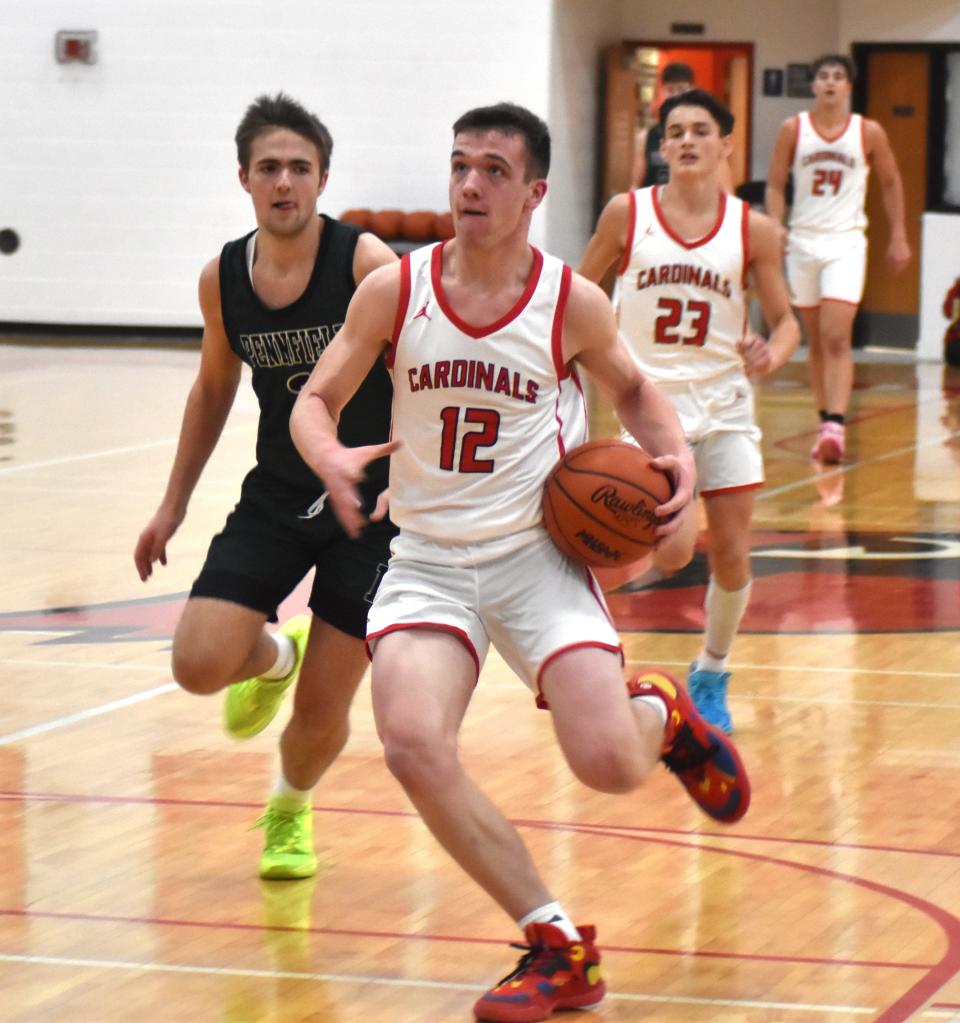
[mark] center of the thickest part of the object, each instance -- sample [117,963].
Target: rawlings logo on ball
[623,511]
[600,500]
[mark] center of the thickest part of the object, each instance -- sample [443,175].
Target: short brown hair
[268,112]
[511,119]
[840,60]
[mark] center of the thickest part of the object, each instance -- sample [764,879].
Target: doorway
[894,88]
[632,99]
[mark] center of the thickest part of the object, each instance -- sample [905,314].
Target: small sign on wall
[773,81]
[799,81]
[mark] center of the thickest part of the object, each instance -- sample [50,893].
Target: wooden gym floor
[128,887]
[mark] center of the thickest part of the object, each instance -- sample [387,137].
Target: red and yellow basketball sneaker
[553,973]
[704,759]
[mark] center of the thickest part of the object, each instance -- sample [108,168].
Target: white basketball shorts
[718,421]
[822,266]
[532,603]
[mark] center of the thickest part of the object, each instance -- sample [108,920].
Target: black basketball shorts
[266,547]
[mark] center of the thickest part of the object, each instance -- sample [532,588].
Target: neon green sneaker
[288,846]
[251,705]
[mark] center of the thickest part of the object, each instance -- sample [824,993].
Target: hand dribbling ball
[599,503]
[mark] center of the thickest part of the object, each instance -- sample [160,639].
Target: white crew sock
[724,609]
[552,913]
[291,797]
[286,657]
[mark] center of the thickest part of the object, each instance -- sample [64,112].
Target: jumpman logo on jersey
[314,510]
[423,312]
[646,233]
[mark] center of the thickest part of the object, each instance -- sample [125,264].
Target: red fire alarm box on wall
[76,47]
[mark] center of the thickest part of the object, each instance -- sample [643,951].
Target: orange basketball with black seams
[599,503]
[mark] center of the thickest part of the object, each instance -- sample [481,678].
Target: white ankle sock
[286,657]
[723,611]
[291,796]
[552,913]
[656,702]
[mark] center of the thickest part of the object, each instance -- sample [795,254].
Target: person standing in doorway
[650,167]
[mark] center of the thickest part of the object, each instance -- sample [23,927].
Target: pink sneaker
[830,443]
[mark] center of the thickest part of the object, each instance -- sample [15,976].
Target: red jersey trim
[731,490]
[437,627]
[796,139]
[680,241]
[403,301]
[596,644]
[830,138]
[477,332]
[745,236]
[631,231]
[561,447]
[559,315]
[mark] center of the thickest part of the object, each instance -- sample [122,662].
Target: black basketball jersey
[282,345]
[658,171]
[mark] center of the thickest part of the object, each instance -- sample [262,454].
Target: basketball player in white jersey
[485,335]
[684,253]
[830,153]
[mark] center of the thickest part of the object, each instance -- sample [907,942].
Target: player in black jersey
[649,164]
[273,300]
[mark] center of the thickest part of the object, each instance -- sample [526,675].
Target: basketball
[385,224]
[599,501]
[418,225]
[443,226]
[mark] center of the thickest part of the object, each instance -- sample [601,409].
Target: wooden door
[738,99]
[620,116]
[898,97]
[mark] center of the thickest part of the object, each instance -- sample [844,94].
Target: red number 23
[665,328]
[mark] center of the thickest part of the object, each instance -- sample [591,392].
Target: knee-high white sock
[724,609]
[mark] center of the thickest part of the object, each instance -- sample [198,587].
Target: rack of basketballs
[401,228]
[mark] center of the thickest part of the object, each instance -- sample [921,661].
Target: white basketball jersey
[681,303]
[829,178]
[484,412]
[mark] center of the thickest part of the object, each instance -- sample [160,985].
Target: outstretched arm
[590,337]
[891,188]
[338,373]
[208,404]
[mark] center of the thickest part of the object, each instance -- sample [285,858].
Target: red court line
[235,925]
[916,996]
[820,843]
[913,999]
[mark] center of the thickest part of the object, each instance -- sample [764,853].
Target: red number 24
[824,179]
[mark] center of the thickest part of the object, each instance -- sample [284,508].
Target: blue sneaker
[708,690]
